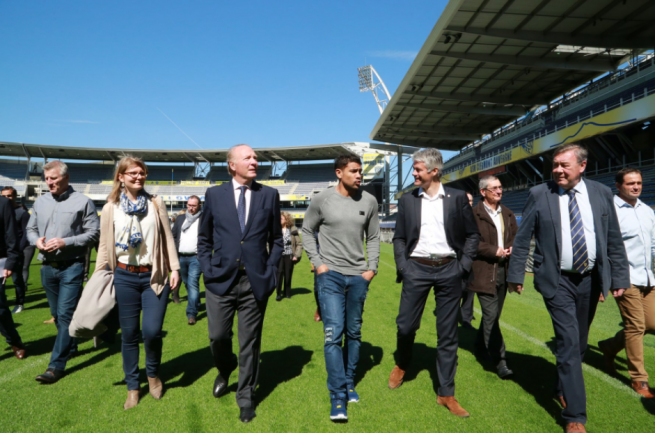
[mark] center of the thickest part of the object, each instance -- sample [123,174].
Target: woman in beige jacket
[137,244]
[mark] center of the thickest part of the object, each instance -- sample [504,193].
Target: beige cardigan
[164,257]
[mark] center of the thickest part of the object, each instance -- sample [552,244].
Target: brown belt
[135,269]
[433,262]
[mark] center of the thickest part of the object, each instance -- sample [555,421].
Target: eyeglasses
[495,188]
[136,174]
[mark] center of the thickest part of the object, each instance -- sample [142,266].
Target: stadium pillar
[400,168]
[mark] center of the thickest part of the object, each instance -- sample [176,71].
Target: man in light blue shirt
[637,304]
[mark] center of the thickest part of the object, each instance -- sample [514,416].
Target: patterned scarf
[131,235]
[189,220]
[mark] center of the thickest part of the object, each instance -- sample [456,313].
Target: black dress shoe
[467,325]
[220,386]
[50,376]
[247,414]
[504,372]
[278,298]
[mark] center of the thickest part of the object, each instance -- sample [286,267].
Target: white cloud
[394,54]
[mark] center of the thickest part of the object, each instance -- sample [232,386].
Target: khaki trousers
[637,306]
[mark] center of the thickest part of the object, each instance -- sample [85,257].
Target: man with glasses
[185,233]
[64,223]
[497,225]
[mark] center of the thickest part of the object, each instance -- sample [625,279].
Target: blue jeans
[342,300]
[133,295]
[190,272]
[63,288]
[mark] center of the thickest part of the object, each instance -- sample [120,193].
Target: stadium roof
[300,153]
[487,62]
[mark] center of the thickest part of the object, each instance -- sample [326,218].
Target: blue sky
[106,74]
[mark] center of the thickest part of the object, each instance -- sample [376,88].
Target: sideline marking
[32,362]
[615,383]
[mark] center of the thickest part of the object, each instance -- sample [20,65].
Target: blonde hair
[288,219]
[122,165]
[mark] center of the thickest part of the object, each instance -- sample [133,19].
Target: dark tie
[580,258]
[241,209]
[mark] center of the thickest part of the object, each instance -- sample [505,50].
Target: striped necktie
[580,258]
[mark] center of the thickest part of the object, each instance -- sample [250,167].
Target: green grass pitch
[292,394]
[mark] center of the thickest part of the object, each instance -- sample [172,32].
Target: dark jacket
[222,248]
[22,217]
[486,262]
[296,244]
[9,235]
[541,218]
[461,231]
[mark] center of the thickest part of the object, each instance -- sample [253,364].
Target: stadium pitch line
[30,364]
[615,383]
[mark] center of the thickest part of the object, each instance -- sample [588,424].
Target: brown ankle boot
[132,399]
[156,387]
[396,377]
[643,389]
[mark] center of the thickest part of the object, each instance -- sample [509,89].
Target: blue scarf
[131,236]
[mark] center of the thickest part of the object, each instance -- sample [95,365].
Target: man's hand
[500,252]
[294,259]
[40,243]
[321,269]
[313,269]
[54,244]
[368,275]
[513,287]
[508,252]
[618,293]
[6,273]
[175,280]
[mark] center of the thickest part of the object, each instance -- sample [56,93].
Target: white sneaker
[17,309]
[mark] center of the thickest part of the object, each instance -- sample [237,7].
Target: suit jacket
[22,218]
[177,229]
[9,235]
[541,217]
[461,230]
[486,261]
[222,248]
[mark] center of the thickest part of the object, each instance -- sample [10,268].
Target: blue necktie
[580,258]
[241,209]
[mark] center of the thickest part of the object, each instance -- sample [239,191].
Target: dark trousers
[285,272]
[7,326]
[466,308]
[28,253]
[318,304]
[571,310]
[418,279]
[133,295]
[63,288]
[238,299]
[20,283]
[490,339]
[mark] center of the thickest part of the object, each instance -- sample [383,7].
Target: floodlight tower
[370,81]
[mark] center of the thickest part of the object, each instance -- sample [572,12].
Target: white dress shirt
[638,232]
[587,215]
[432,241]
[496,217]
[189,239]
[237,195]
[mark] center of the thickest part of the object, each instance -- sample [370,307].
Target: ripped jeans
[342,300]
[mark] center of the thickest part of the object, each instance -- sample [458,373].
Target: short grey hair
[230,155]
[430,157]
[485,180]
[60,165]
[579,151]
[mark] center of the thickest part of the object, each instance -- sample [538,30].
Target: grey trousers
[490,338]
[220,318]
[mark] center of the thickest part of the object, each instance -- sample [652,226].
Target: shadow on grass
[595,358]
[649,405]
[300,291]
[193,366]
[369,356]
[279,366]
[423,358]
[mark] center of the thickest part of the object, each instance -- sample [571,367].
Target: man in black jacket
[9,255]
[22,218]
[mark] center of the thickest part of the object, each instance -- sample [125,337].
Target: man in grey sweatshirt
[345,216]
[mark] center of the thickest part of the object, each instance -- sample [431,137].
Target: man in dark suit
[239,248]
[579,256]
[10,252]
[434,245]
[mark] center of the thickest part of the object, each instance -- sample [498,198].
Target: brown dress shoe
[396,377]
[156,387]
[132,399]
[575,427]
[19,352]
[453,406]
[191,321]
[610,366]
[317,316]
[640,387]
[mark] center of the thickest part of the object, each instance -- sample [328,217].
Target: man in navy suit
[579,256]
[239,248]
